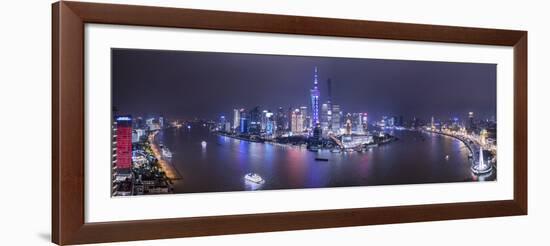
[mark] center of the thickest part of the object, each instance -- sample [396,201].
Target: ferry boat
[254,178]
[336,150]
[166,152]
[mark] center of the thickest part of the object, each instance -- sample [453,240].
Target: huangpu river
[221,165]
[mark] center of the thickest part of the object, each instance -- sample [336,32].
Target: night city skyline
[186,122]
[206,85]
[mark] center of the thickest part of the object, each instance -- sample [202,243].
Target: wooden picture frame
[68,223]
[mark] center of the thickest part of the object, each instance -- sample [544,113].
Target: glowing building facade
[236,118]
[123,144]
[297,122]
[336,118]
[315,94]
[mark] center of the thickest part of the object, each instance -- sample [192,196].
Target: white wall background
[25,121]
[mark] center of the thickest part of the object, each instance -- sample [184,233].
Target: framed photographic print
[176,122]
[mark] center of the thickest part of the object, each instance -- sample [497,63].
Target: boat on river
[254,178]
[165,151]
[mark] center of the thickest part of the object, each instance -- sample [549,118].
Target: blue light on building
[244,125]
[315,93]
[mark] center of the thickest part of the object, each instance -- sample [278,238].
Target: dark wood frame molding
[68,224]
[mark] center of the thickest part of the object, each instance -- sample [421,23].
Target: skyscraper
[123,144]
[315,94]
[255,116]
[306,116]
[336,118]
[289,119]
[236,118]
[390,122]
[280,121]
[348,124]
[138,123]
[221,123]
[365,122]
[244,122]
[270,124]
[324,117]
[297,120]
[329,104]
[263,120]
[357,122]
[471,123]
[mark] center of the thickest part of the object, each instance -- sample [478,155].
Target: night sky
[206,85]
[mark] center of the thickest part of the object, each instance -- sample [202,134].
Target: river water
[415,158]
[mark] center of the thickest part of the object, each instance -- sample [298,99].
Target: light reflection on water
[220,166]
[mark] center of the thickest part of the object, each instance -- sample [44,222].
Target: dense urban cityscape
[320,129]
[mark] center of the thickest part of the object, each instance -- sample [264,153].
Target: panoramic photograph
[194,122]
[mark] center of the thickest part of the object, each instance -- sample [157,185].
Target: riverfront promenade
[170,171]
[473,146]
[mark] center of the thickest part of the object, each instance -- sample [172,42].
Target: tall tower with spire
[481,165]
[315,100]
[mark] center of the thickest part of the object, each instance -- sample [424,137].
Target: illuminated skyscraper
[297,119]
[315,93]
[255,116]
[138,123]
[244,122]
[289,119]
[236,118]
[365,122]
[471,123]
[263,120]
[390,122]
[336,118]
[306,116]
[270,124]
[359,121]
[221,123]
[329,104]
[324,117]
[348,124]
[123,144]
[280,121]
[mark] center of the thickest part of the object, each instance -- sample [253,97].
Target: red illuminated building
[124,144]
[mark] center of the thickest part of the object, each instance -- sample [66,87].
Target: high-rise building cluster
[320,117]
[135,167]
